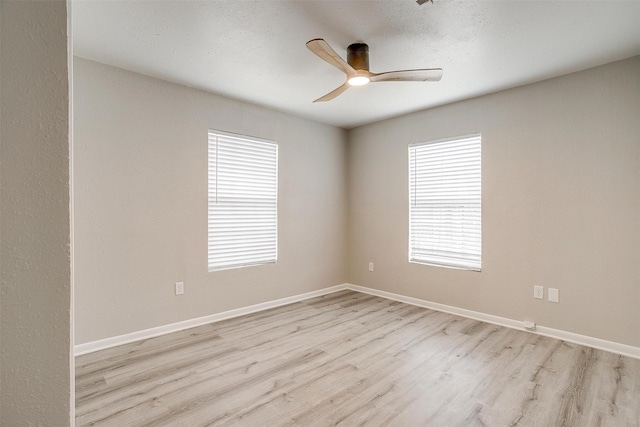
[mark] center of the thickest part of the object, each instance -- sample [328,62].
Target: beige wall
[140,177]
[35,303]
[561,172]
[561,203]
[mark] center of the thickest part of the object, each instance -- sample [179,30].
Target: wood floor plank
[348,359]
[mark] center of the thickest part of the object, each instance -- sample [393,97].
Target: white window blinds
[243,201]
[445,209]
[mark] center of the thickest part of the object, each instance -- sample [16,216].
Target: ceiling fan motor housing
[358,56]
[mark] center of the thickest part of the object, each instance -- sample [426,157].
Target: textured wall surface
[561,203]
[1,71]
[140,185]
[35,270]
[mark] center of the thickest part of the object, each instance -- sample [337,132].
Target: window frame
[468,211]
[235,203]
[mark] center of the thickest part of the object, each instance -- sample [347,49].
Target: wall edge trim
[597,343]
[103,344]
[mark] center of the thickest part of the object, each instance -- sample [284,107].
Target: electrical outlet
[179,288]
[538,292]
[554,295]
[370,266]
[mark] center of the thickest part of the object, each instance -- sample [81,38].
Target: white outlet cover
[370,266]
[179,288]
[538,292]
[554,295]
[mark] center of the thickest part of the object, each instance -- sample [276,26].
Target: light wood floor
[353,359]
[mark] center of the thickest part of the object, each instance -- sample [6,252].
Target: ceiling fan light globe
[358,80]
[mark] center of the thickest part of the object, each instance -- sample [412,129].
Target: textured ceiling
[255,50]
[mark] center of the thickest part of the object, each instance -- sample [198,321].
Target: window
[243,201]
[445,208]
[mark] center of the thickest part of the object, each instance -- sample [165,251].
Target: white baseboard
[613,347]
[102,344]
[610,346]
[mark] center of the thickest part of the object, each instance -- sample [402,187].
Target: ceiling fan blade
[337,91]
[324,51]
[422,75]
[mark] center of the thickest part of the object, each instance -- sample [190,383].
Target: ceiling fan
[356,68]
